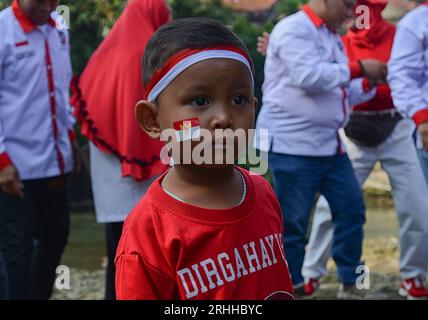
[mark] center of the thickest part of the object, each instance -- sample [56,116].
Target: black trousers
[3,278]
[33,235]
[113,234]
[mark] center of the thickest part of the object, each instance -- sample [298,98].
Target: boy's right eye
[199,102]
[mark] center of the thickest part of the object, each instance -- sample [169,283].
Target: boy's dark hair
[188,33]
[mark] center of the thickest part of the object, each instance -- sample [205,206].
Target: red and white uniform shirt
[309,87]
[35,116]
[408,66]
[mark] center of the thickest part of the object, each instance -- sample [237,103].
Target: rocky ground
[84,285]
[381,257]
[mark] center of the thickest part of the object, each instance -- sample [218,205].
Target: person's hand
[262,43]
[423,132]
[375,70]
[376,82]
[77,164]
[10,182]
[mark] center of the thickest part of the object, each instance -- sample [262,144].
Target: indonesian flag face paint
[188,129]
[185,59]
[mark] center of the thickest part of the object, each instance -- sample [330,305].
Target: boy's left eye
[238,100]
[199,102]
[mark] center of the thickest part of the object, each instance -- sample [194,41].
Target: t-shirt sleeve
[137,280]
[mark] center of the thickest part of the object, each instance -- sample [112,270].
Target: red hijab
[378,36]
[110,86]
[375,43]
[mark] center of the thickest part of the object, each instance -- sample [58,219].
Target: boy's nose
[221,120]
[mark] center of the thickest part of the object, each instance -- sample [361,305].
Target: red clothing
[172,250]
[375,43]
[111,85]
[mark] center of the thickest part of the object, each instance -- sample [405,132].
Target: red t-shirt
[172,250]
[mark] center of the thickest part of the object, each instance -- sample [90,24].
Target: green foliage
[286,7]
[200,8]
[4,3]
[90,21]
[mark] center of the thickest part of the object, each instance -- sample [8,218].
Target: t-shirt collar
[203,215]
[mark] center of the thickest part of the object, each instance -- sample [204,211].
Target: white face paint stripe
[191,60]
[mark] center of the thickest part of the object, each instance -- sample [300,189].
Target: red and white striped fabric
[188,129]
[188,57]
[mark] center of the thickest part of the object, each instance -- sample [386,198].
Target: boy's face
[219,92]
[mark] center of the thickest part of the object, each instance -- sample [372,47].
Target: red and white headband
[186,58]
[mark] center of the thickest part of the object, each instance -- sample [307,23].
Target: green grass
[86,244]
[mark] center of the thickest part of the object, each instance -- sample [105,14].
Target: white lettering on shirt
[229,267]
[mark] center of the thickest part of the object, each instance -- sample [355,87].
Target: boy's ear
[147,117]
[256,103]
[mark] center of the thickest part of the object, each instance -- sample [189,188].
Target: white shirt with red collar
[408,66]
[35,115]
[309,87]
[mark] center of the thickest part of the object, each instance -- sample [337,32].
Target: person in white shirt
[38,149]
[376,132]
[408,74]
[408,70]
[308,89]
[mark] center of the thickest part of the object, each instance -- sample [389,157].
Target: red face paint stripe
[194,121]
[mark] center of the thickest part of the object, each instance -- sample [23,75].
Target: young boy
[207,231]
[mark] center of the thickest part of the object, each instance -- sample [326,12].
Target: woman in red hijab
[377,132]
[124,160]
